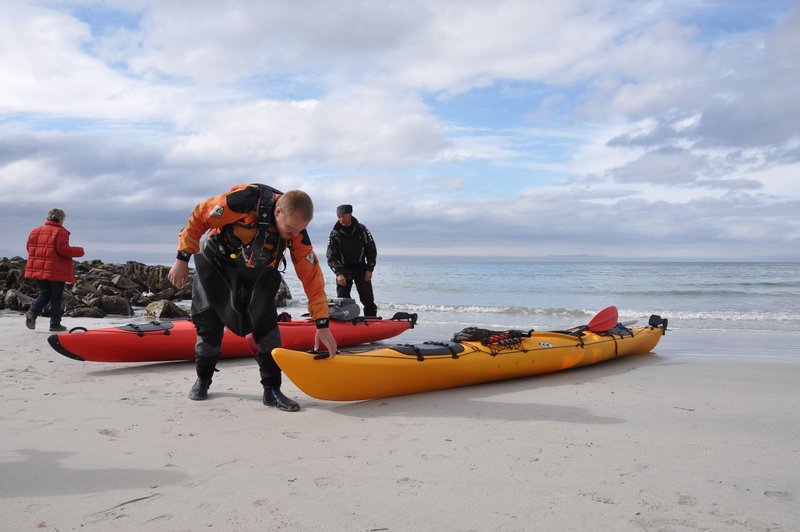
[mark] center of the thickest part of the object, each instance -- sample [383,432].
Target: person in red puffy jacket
[50,263]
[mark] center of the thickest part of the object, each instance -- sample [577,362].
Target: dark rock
[112,305]
[69,301]
[88,312]
[168,294]
[154,278]
[122,282]
[283,294]
[14,279]
[101,288]
[141,300]
[16,300]
[165,309]
[83,289]
[98,273]
[185,292]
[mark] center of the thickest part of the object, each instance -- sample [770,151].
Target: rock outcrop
[106,289]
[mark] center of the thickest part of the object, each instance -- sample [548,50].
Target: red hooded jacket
[50,255]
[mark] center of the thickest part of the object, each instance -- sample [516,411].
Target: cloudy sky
[468,128]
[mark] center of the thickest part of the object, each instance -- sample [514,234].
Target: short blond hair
[56,215]
[297,201]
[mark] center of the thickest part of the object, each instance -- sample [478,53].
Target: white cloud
[354,129]
[628,118]
[222,42]
[45,69]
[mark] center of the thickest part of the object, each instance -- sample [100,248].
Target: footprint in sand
[111,433]
[598,497]
[434,456]
[782,495]
[327,482]
[410,486]
[159,518]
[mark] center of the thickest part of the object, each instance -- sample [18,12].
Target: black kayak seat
[423,349]
[140,329]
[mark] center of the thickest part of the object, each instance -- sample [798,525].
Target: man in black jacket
[351,256]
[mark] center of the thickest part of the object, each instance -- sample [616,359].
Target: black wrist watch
[322,323]
[182,255]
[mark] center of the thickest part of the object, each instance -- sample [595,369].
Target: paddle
[604,320]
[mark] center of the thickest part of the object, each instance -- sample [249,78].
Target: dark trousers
[364,288]
[208,348]
[49,292]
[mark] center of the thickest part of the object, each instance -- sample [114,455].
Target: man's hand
[368,276]
[340,280]
[325,337]
[179,273]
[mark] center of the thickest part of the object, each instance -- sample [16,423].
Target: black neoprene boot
[205,368]
[274,397]
[199,391]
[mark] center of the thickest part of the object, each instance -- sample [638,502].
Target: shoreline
[660,441]
[761,345]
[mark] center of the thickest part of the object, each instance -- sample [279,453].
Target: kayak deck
[374,372]
[170,341]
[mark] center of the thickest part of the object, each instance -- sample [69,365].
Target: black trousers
[49,292]
[364,288]
[210,330]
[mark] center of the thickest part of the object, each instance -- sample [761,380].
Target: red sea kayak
[174,340]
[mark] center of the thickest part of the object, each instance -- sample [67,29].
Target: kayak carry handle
[657,321]
[406,316]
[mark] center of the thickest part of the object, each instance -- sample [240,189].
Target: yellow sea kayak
[385,371]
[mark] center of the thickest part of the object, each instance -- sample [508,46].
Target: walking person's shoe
[30,320]
[57,328]
[199,391]
[274,398]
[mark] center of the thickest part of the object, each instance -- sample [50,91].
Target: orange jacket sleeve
[308,270]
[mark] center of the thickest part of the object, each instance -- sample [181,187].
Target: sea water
[714,308]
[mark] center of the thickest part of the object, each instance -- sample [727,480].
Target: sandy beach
[663,441]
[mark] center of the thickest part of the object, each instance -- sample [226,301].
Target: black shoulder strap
[265,215]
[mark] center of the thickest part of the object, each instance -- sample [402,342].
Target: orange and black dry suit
[237,279]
